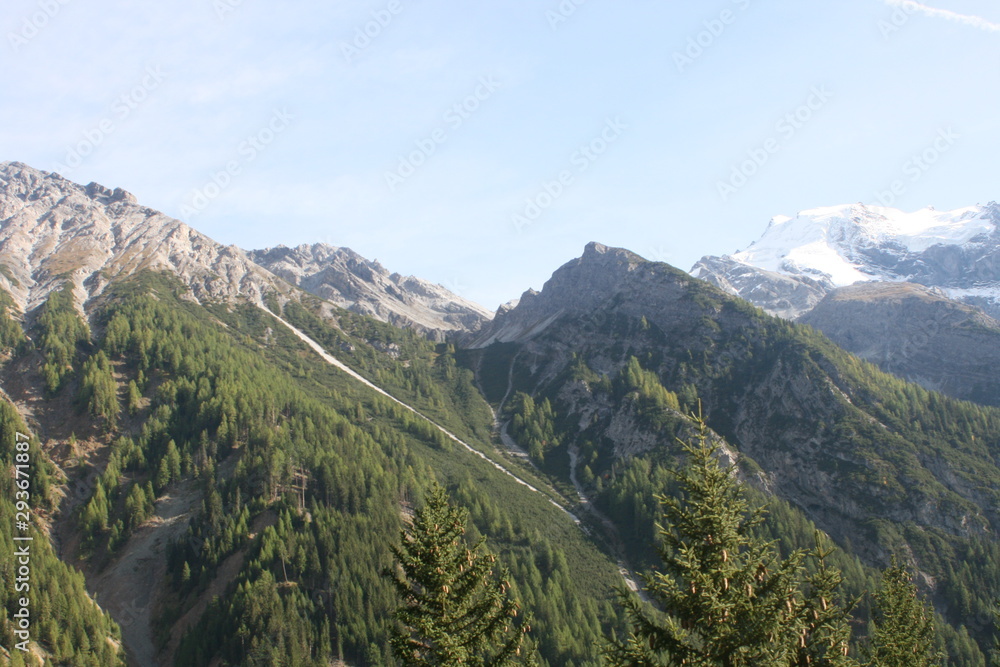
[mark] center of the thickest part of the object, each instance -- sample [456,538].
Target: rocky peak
[777,293]
[600,276]
[347,279]
[53,230]
[104,195]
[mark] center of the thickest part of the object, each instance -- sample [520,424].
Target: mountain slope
[916,334]
[52,229]
[620,346]
[821,249]
[345,278]
[262,485]
[255,487]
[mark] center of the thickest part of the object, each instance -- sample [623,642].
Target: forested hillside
[231,498]
[884,466]
[65,623]
[298,478]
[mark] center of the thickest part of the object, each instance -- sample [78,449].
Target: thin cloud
[965,19]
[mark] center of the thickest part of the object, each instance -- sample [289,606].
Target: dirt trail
[610,529]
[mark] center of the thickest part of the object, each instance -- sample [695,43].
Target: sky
[482,145]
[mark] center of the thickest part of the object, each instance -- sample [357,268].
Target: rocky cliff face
[779,294]
[350,281]
[52,229]
[917,334]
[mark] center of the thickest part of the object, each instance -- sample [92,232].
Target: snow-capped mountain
[799,259]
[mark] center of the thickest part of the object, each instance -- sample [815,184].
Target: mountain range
[53,229]
[228,441]
[916,293]
[800,259]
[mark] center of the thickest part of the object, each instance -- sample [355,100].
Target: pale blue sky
[310,129]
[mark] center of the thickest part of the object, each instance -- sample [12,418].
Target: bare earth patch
[129,588]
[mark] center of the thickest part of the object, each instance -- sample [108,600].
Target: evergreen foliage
[60,331]
[827,632]
[300,473]
[533,426]
[995,652]
[875,442]
[11,334]
[903,624]
[66,624]
[99,390]
[454,611]
[728,597]
[407,365]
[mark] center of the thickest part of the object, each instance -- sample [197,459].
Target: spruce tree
[454,610]
[902,624]
[995,651]
[827,632]
[728,599]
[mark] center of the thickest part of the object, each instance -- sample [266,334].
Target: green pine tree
[729,599]
[902,624]
[995,652]
[454,610]
[827,632]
